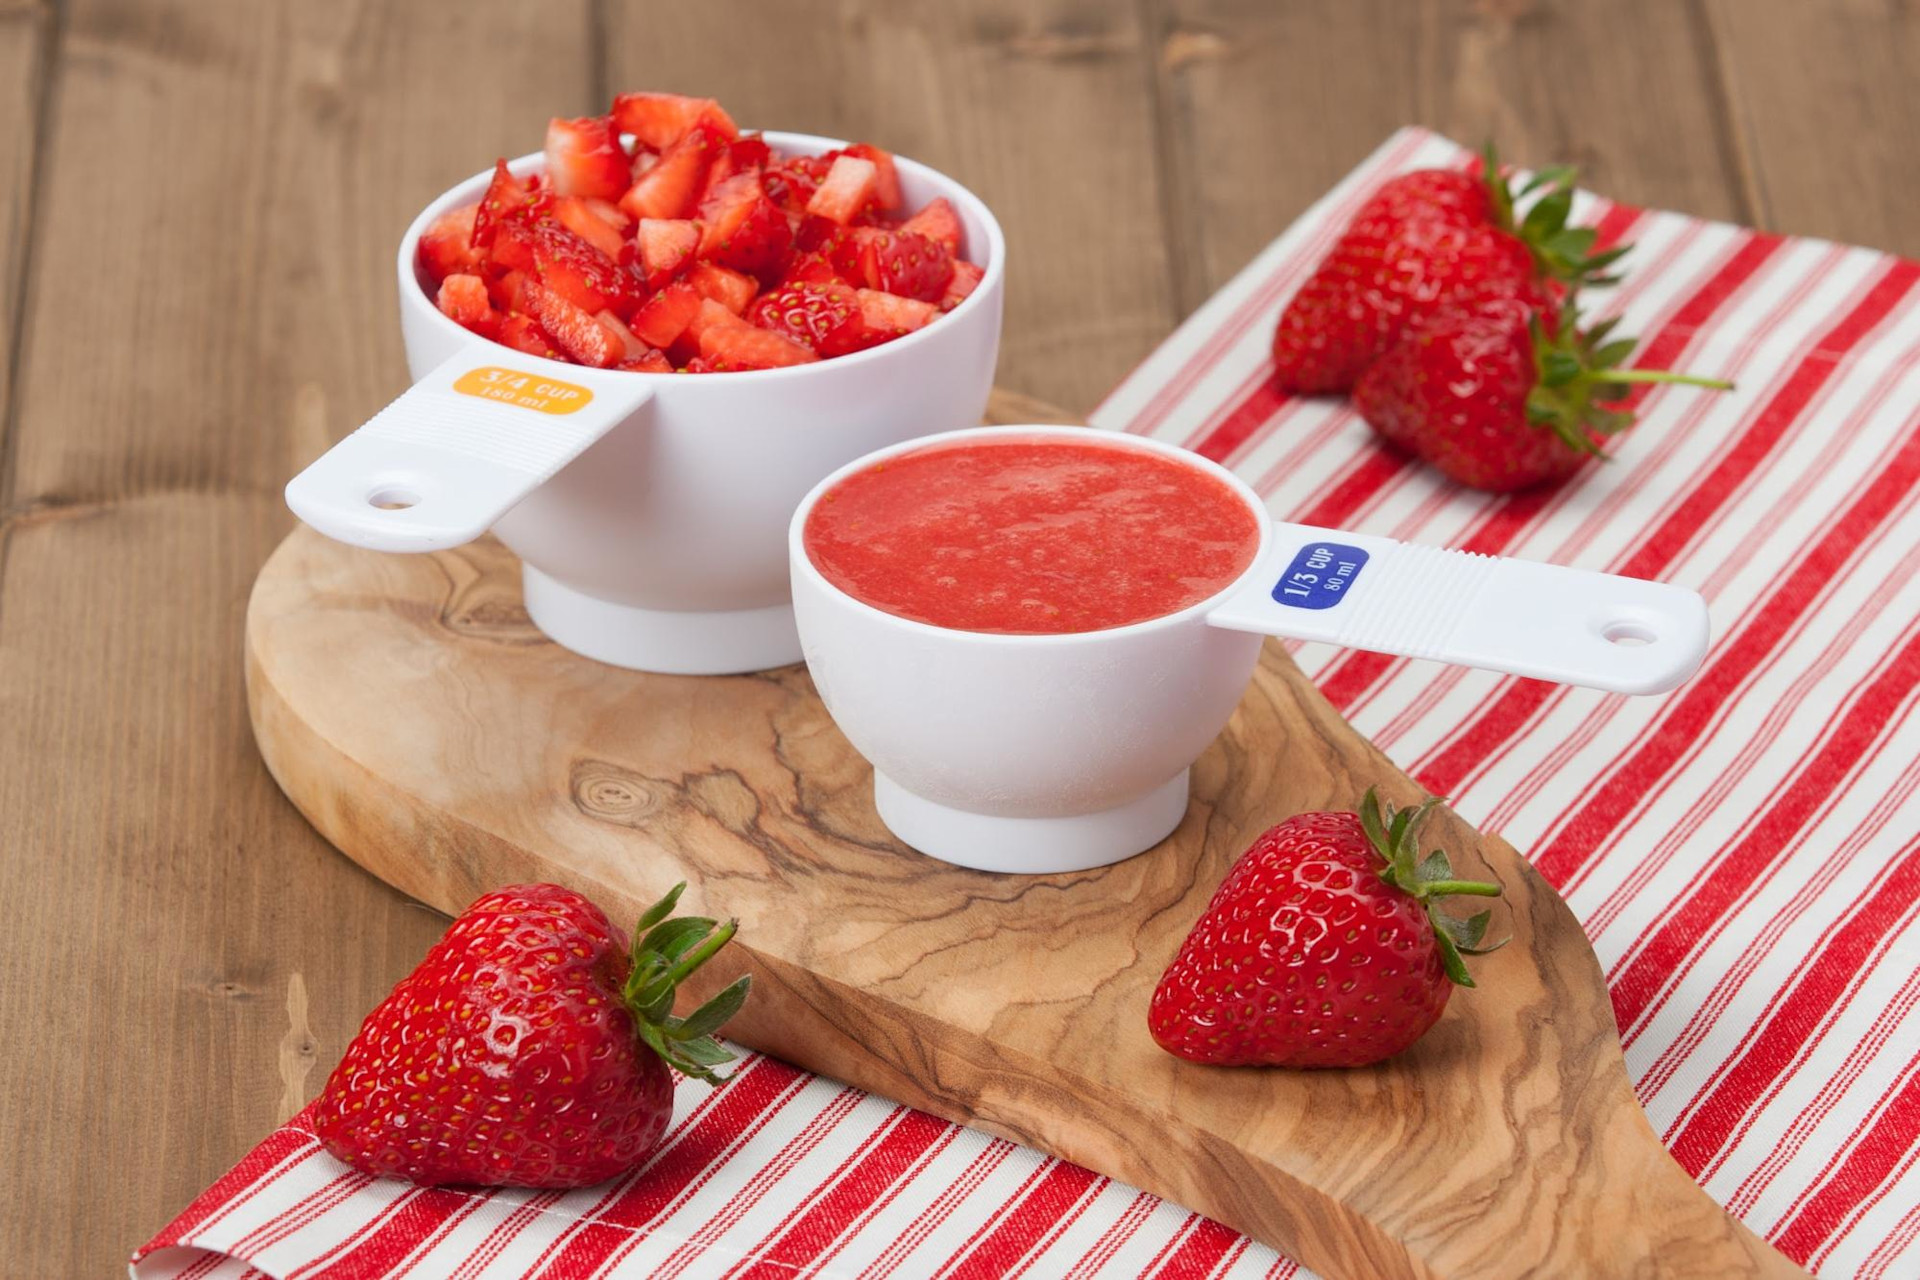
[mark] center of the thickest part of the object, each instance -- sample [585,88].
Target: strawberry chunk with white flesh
[666,245]
[505,194]
[671,188]
[630,345]
[651,362]
[888,313]
[576,332]
[846,190]
[886,178]
[709,315]
[727,287]
[727,346]
[585,158]
[522,333]
[579,217]
[965,279]
[463,299]
[937,221]
[446,247]
[743,230]
[667,314]
[659,120]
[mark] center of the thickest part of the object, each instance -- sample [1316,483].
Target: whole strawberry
[1323,947]
[1427,240]
[528,1049]
[1500,399]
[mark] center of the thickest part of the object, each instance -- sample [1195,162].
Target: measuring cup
[646,509]
[1050,753]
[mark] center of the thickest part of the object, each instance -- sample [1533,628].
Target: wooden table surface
[199,202]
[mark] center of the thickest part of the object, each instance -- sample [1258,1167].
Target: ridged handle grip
[1573,626]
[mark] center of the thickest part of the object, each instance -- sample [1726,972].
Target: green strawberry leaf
[1547,217]
[660,910]
[1450,959]
[1611,353]
[705,1020]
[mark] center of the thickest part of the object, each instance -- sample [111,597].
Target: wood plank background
[198,205]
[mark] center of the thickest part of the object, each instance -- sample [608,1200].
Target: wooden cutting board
[417,718]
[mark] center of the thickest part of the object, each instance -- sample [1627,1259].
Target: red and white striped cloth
[1742,851]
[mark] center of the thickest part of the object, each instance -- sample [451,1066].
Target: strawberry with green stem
[1324,946]
[1424,242]
[531,1047]
[1500,397]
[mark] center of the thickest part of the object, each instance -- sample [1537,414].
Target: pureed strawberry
[660,238]
[1031,535]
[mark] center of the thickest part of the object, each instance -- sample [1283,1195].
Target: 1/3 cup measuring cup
[1060,752]
[647,509]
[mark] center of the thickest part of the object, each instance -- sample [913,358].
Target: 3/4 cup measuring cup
[1059,752]
[647,509]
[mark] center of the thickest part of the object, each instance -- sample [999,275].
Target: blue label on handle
[1321,575]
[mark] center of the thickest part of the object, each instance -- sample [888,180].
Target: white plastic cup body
[1031,732]
[682,508]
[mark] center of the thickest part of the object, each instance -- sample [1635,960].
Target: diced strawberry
[886,178]
[697,365]
[631,347]
[666,245]
[936,221]
[505,290]
[446,247]
[894,315]
[810,268]
[652,362]
[750,152]
[463,299]
[743,229]
[505,194]
[585,158]
[816,234]
[900,262]
[667,314]
[792,182]
[966,278]
[512,247]
[745,347]
[709,315]
[671,188]
[523,334]
[846,190]
[573,329]
[823,317]
[659,120]
[581,274]
[578,216]
[741,156]
[727,287]
[609,212]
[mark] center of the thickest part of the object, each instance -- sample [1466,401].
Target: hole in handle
[393,498]
[1629,635]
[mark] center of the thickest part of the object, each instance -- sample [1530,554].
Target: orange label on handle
[523,390]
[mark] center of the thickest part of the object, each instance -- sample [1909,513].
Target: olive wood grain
[412,712]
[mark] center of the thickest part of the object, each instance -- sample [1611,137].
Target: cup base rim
[666,642]
[1031,846]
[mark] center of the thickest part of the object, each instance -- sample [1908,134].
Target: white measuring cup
[646,509]
[1051,753]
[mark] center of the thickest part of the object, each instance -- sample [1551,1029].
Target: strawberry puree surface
[1038,535]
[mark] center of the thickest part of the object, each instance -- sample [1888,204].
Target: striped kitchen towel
[1744,852]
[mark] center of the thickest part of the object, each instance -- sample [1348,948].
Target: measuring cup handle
[1573,626]
[458,449]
